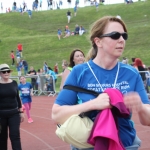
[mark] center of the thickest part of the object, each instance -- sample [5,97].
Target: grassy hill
[39,34]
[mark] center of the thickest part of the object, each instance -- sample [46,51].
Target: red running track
[40,135]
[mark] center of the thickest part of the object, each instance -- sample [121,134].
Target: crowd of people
[99,71]
[79,30]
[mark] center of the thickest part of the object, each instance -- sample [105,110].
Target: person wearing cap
[11,112]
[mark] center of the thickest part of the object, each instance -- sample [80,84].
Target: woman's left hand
[31,94]
[21,117]
[133,102]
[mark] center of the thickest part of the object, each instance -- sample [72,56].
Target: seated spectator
[81,30]
[59,33]
[125,60]
[76,30]
[68,33]
[66,29]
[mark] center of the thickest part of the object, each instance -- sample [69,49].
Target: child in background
[26,92]
[12,57]
[30,13]
[75,10]
[18,56]
[59,33]
[19,67]
[96,5]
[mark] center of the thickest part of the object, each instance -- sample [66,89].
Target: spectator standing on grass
[14,6]
[12,57]
[24,6]
[36,5]
[18,56]
[26,91]
[40,8]
[77,3]
[31,73]
[59,33]
[20,48]
[45,67]
[1,7]
[96,5]
[25,66]
[30,13]
[19,68]
[68,15]
[75,10]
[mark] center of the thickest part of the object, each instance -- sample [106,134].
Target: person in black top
[32,72]
[68,16]
[11,112]
[15,5]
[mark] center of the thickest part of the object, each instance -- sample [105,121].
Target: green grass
[39,34]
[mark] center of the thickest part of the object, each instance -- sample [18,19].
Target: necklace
[99,82]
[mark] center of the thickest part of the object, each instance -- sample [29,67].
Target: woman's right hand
[22,117]
[102,102]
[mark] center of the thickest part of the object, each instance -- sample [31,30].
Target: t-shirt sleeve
[139,87]
[68,97]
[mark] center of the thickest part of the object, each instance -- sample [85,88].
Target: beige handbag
[76,131]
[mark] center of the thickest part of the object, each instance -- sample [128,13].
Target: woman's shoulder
[128,67]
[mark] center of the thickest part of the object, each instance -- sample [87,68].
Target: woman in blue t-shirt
[103,71]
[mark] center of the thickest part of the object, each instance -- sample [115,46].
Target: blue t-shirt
[25,90]
[128,80]
[52,73]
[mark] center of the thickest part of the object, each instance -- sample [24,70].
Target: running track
[40,135]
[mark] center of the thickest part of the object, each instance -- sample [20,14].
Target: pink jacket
[104,134]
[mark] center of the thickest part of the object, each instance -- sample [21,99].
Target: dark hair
[21,76]
[71,62]
[133,59]
[50,68]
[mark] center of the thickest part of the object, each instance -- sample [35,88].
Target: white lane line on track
[38,138]
[42,108]
[41,117]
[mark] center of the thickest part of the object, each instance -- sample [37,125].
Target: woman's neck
[105,63]
[2,80]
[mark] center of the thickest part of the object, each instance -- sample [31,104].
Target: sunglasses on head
[8,71]
[116,35]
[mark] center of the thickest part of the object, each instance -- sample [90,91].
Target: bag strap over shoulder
[79,89]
